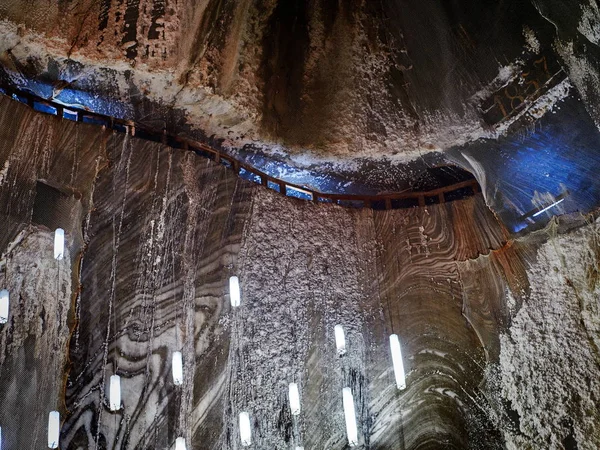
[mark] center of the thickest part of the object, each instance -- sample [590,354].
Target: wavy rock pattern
[162,232]
[164,225]
[325,79]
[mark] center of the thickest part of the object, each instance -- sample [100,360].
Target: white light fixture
[245,430]
[177,368]
[340,340]
[548,207]
[294,396]
[59,243]
[115,393]
[4,306]
[0,438]
[397,361]
[180,444]
[350,416]
[53,429]
[234,291]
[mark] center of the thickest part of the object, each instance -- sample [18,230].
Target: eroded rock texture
[38,154]
[499,334]
[325,79]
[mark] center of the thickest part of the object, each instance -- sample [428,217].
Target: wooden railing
[379,201]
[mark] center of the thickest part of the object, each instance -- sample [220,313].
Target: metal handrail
[202,149]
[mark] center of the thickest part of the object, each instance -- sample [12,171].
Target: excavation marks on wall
[296,287]
[420,298]
[34,342]
[169,208]
[450,189]
[303,269]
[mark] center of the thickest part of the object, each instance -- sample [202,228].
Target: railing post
[388,203]
[441,197]
[282,188]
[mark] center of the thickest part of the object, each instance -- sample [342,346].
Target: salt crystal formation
[499,333]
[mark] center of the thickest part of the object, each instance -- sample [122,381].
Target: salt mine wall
[499,333]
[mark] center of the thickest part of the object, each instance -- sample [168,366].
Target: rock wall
[324,79]
[499,334]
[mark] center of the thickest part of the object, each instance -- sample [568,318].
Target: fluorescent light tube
[177,368]
[115,393]
[4,306]
[59,243]
[350,416]
[245,430]
[397,361]
[294,396]
[53,429]
[234,291]
[548,207]
[340,340]
[180,444]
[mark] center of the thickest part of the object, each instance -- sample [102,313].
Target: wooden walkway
[381,201]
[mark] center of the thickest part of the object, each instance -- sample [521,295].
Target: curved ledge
[397,200]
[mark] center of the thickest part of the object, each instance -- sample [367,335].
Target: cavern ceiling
[355,96]
[131,128]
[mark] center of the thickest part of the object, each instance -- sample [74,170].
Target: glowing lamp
[59,243]
[180,444]
[234,291]
[294,395]
[548,207]
[397,361]
[340,340]
[350,416]
[177,368]
[53,429]
[114,399]
[3,306]
[245,430]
